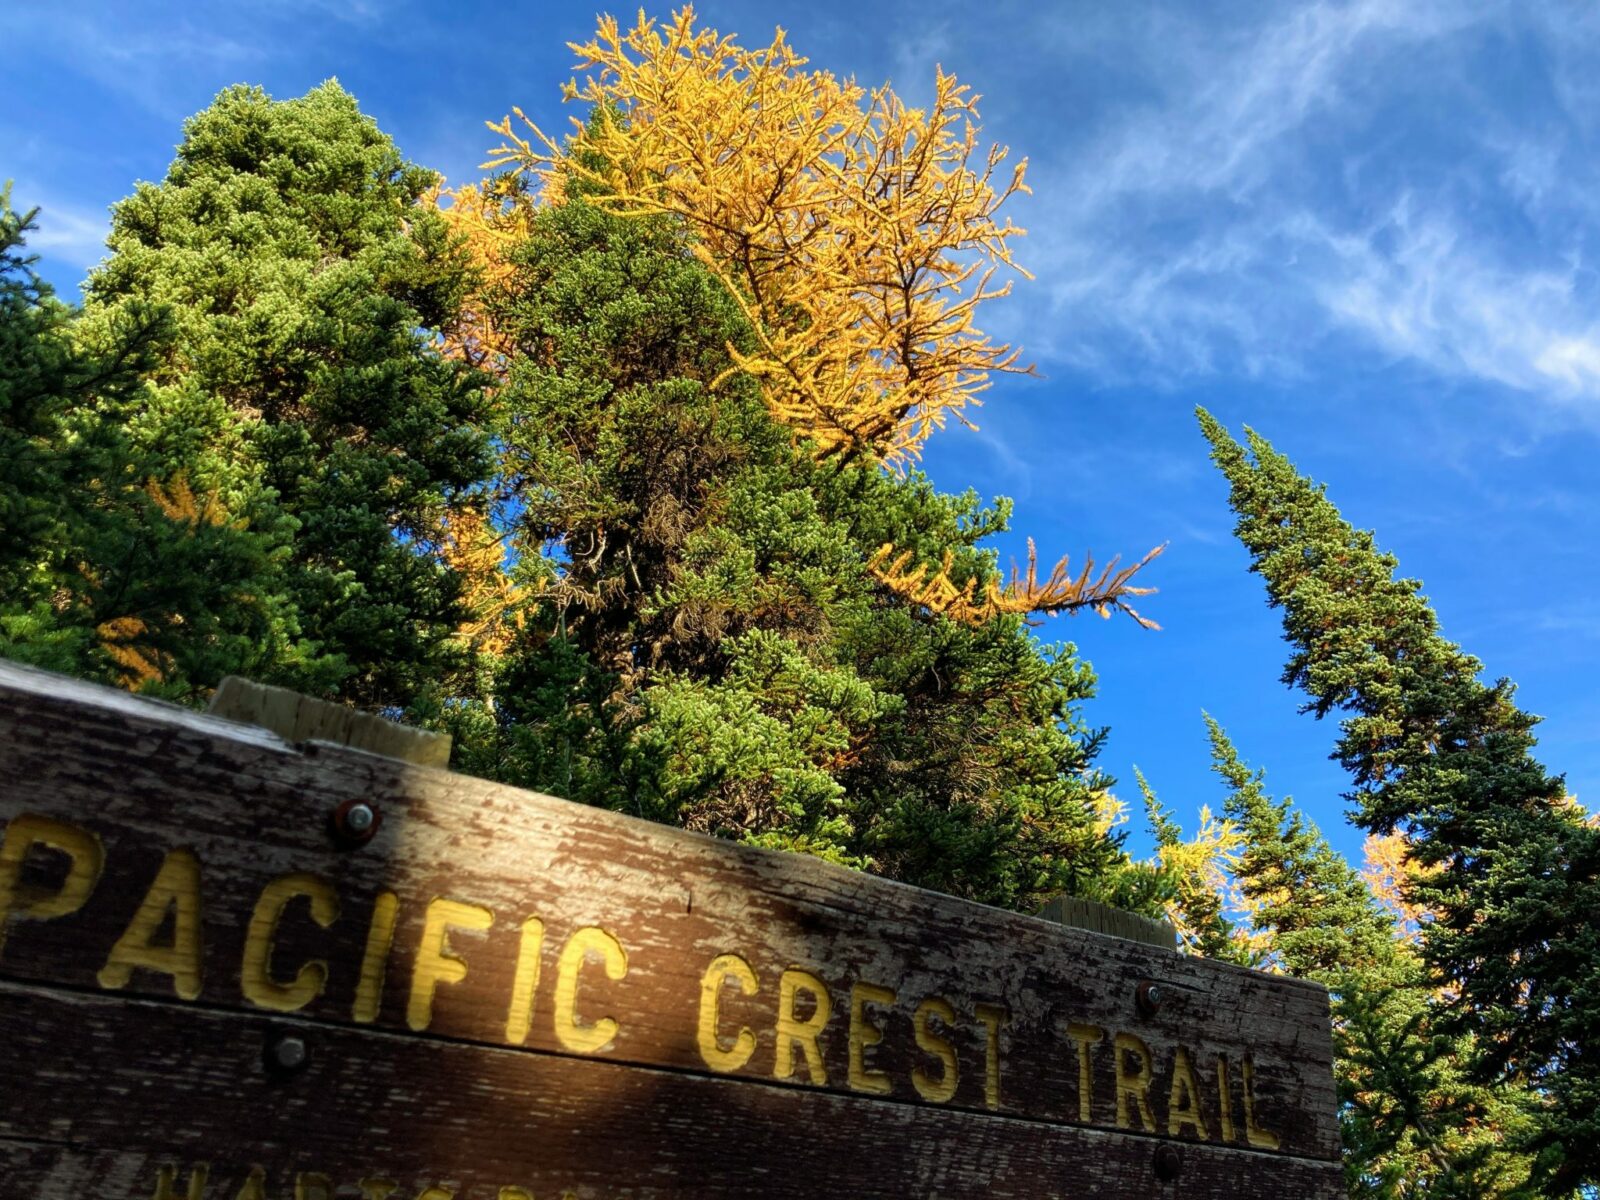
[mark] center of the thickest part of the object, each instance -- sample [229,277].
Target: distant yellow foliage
[1578,810]
[1109,812]
[120,639]
[472,547]
[179,503]
[490,222]
[1061,592]
[859,236]
[127,640]
[1387,869]
[1204,866]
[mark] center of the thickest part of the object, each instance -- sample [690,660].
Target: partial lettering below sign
[237,968]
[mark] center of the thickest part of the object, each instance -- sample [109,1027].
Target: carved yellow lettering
[375,1188]
[435,964]
[1263,1139]
[256,978]
[1133,1085]
[1224,1099]
[1183,1102]
[941,1089]
[312,1185]
[514,1193]
[375,960]
[993,1017]
[166,1176]
[717,1056]
[436,1192]
[586,1037]
[177,890]
[792,1031]
[254,1186]
[1087,1037]
[87,859]
[864,1033]
[519,1020]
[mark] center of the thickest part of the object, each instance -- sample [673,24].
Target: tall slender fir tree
[1508,868]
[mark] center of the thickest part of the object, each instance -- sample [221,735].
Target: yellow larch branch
[1022,594]
[496,606]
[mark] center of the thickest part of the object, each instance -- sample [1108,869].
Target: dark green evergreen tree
[36,373]
[300,380]
[702,642]
[1507,867]
[106,570]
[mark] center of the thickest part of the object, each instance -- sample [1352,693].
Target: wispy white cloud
[1425,289]
[348,12]
[151,65]
[155,56]
[1237,99]
[1331,177]
[75,236]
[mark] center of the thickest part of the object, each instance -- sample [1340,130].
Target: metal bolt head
[354,822]
[1149,997]
[1169,1163]
[288,1053]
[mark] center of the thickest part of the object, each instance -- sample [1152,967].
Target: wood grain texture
[913,981]
[422,1112]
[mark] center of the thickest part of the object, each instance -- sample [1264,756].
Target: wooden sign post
[238,968]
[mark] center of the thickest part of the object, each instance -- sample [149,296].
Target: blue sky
[1362,228]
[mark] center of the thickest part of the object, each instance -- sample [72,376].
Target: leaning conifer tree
[1507,866]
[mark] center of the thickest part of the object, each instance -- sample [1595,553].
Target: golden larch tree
[858,235]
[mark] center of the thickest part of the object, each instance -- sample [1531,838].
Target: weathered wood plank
[297,718]
[140,1089]
[593,936]
[1113,922]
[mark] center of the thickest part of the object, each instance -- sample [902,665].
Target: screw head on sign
[288,1053]
[1149,997]
[1169,1163]
[355,821]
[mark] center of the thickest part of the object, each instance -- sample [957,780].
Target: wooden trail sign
[237,968]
